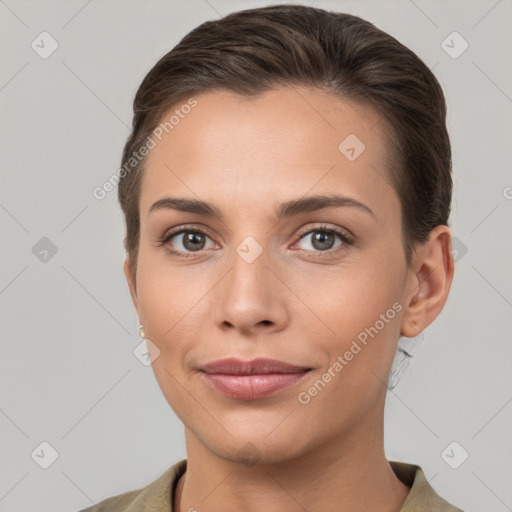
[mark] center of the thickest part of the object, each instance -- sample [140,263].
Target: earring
[142,334]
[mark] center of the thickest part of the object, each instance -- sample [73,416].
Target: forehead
[281,145]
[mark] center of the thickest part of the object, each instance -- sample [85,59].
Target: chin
[252,445]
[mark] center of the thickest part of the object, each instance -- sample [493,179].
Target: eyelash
[344,236]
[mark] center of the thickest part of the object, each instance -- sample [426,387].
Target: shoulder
[422,496]
[155,497]
[115,503]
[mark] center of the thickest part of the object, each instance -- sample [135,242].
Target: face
[316,285]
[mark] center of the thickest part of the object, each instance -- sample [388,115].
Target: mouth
[250,380]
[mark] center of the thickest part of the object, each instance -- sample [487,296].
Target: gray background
[68,373]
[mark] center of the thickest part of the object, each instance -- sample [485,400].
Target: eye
[323,239]
[186,241]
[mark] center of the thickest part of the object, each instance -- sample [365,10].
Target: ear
[429,282]
[132,285]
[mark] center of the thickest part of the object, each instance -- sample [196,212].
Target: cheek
[346,299]
[362,323]
[170,296]
[360,313]
[173,306]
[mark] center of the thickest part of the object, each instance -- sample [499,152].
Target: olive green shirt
[158,496]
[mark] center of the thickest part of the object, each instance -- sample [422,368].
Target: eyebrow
[287,209]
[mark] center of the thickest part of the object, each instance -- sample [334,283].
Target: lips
[250,380]
[261,366]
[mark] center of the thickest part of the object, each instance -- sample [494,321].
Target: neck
[349,472]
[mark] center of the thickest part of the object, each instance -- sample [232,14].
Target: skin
[247,157]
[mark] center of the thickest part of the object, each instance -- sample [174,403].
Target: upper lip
[234,366]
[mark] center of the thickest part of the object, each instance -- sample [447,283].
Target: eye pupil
[190,241]
[321,237]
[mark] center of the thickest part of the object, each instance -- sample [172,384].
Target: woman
[286,189]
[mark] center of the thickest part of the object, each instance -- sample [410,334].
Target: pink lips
[249,380]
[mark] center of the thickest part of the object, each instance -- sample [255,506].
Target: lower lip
[251,387]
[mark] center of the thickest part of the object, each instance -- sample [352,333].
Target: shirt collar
[159,495]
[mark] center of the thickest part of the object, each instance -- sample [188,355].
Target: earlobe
[429,284]
[130,279]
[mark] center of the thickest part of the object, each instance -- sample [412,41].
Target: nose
[251,299]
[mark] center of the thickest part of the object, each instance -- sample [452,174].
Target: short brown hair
[254,50]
